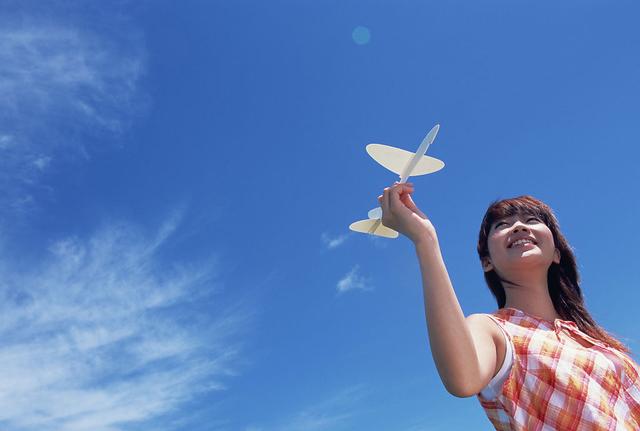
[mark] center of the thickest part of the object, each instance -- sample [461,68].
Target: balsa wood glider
[404,163]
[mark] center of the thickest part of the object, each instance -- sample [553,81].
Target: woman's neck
[532,297]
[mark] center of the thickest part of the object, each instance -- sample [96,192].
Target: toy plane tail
[369,226]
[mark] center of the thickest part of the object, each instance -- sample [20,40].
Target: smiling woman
[539,361]
[532,272]
[547,266]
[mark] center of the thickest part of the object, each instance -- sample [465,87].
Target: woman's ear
[486,264]
[556,256]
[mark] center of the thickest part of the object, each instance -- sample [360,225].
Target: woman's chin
[529,259]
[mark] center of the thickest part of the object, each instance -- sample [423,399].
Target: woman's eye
[533,218]
[498,224]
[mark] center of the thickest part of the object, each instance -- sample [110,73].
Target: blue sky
[177,179]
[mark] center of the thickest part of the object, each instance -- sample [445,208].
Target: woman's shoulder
[486,322]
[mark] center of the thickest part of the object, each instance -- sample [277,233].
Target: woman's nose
[518,226]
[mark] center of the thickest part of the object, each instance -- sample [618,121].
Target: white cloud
[102,334]
[63,91]
[378,241]
[332,243]
[333,414]
[421,427]
[352,281]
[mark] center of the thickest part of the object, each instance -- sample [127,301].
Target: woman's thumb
[406,199]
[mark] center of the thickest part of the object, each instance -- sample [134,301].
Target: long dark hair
[562,278]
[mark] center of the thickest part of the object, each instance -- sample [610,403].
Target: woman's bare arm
[464,350]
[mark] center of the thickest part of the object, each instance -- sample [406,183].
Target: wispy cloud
[352,281]
[333,242]
[332,414]
[421,427]
[102,333]
[378,242]
[64,90]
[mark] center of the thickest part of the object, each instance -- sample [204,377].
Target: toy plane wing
[396,159]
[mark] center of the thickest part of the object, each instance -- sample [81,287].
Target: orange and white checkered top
[556,384]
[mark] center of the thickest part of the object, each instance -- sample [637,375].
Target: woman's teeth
[521,242]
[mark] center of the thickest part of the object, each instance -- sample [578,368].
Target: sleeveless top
[492,389]
[549,384]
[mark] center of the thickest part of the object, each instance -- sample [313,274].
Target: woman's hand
[401,214]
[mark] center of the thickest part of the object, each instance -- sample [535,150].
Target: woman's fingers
[412,206]
[392,198]
[385,201]
[399,211]
[407,201]
[398,191]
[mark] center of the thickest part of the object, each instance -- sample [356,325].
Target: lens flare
[361,35]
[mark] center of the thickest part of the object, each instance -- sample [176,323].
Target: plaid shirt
[556,385]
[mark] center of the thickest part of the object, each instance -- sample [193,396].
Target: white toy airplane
[405,164]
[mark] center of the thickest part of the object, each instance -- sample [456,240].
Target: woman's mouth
[522,243]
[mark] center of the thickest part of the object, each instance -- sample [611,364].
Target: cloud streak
[352,281]
[64,90]
[102,335]
[332,414]
[332,243]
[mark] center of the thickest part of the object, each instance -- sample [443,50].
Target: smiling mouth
[522,243]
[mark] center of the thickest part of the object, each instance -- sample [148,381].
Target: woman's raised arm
[464,350]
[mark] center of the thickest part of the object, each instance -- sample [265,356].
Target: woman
[540,362]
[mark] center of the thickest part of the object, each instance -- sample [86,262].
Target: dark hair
[562,278]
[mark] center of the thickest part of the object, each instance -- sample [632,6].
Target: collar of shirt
[558,325]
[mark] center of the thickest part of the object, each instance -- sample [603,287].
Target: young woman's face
[520,241]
